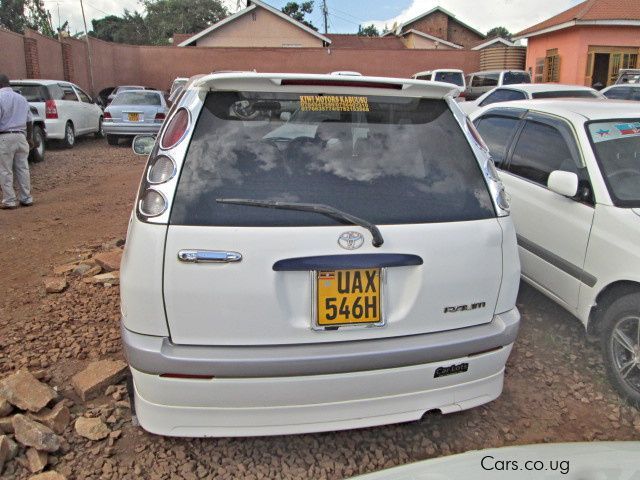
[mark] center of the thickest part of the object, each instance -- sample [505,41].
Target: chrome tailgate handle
[208,256]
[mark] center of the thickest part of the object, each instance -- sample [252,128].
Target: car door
[89,111]
[71,108]
[553,230]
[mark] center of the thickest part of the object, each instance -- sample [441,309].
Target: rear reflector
[185,376]
[176,129]
[50,109]
[342,83]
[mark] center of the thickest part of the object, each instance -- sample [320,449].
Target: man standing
[16,125]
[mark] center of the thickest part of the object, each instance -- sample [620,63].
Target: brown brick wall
[31,58]
[12,58]
[461,35]
[442,26]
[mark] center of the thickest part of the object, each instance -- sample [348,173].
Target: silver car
[134,112]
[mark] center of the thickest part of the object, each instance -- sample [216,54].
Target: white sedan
[572,170]
[527,91]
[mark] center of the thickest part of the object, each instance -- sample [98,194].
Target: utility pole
[86,37]
[325,14]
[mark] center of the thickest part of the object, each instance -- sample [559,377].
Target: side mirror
[143,144]
[563,183]
[285,116]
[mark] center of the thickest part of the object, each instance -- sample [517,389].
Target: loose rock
[110,260]
[5,407]
[5,425]
[56,418]
[8,450]
[33,434]
[98,375]
[92,428]
[24,391]
[55,284]
[111,278]
[48,476]
[36,460]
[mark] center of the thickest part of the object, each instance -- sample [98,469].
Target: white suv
[572,170]
[362,272]
[67,110]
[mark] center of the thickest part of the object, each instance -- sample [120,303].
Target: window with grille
[539,71]
[552,66]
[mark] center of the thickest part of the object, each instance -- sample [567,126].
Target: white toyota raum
[312,253]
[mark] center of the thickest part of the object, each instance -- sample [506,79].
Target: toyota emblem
[350,240]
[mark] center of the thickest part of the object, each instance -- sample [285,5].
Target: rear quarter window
[566,94]
[390,160]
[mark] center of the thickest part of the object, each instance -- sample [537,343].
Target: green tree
[12,15]
[368,31]
[499,32]
[166,17]
[39,18]
[130,28]
[16,15]
[297,11]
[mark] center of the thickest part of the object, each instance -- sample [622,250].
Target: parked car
[628,75]
[179,82]
[530,91]
[67,110]
[456,77]
[123,88]
[289,285]
[572,170]
[479,83]
[628,91]
[133,112]
[38,135]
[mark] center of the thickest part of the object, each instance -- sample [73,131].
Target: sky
[346,15]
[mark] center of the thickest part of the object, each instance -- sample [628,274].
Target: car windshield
[137,98]
[617,147]
[511,78]
[33,93]
[450,77]
[629,77]
[389,160]
[566,94]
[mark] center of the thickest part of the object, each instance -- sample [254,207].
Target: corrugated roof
[344,40]
[588,11]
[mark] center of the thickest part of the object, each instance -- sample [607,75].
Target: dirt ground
[555,386]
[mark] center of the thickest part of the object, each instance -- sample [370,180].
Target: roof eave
[572,23]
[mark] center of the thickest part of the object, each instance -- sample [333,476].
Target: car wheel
[113,140]
[69,136]
[100,132]
[36,155]
[621,346]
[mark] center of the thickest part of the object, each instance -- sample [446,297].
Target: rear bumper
[157,355]
[130,129]
[315,388]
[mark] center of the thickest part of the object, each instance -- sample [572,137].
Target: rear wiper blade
[321,208]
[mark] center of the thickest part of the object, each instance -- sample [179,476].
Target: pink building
[585,45]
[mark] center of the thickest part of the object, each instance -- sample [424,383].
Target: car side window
[490,80]
[503,95]
[540,150]
[55,92]
[83,96]
[68,93]
[619,93]
[476,81]
[496,131]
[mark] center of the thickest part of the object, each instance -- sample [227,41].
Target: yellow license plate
[134,117]
[346,297]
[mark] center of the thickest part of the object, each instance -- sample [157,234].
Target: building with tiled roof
[587,44]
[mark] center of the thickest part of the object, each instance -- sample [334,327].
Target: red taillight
[176,129]
[160,116]
[463,94]
[106,116]
[50,109]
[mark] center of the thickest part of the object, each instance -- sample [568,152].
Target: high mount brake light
[341,83]
[50,109]
[176,129]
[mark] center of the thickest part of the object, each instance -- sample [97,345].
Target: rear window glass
[389,160]
[33,93]
[450,77]
[511,78]
[136,98]
[566,94]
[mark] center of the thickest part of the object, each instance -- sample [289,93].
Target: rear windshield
[389,160]
[33,93]
[566,94]
[450,77]
[136,98]
[511,78]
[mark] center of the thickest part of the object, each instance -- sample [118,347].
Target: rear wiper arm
[321,208]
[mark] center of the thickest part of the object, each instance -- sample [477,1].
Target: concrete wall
[259,28]
[49,54]
[573,46]
[416,41]
[12,62]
